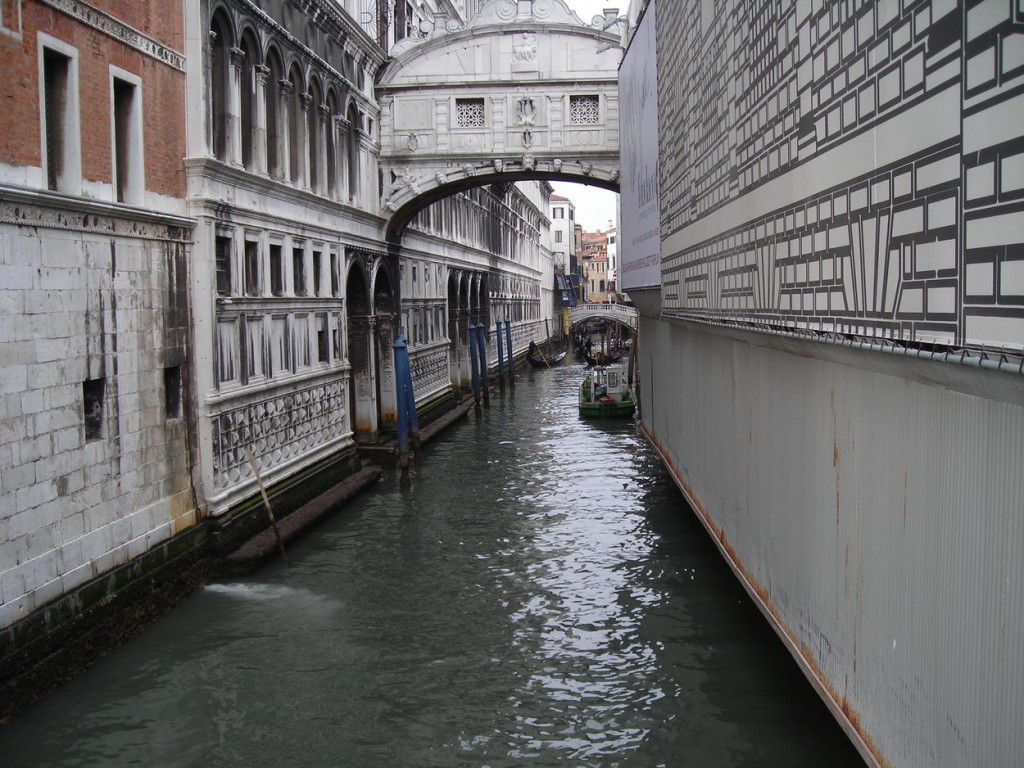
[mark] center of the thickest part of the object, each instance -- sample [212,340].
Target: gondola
[547,361]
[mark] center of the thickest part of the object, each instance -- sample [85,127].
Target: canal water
[539,596]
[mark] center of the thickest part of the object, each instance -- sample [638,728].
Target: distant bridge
[618,312]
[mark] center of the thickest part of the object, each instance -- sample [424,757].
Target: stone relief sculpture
[527,138]
[525,47]
[526,110]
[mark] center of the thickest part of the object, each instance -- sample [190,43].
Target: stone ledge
[263,546]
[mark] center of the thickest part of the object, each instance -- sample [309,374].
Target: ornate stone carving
[414,142]
[406,177]
[526,110]
[525,47]
[528,162]
[527,138]
[276,429]
[112,27]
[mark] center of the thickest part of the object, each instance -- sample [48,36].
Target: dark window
[56,74]
[124,108]
[299,271]
[276,271]
[252,268]
[321,338]
[317,271]
[172,392]
[223,255]
[335,287]
[92,398]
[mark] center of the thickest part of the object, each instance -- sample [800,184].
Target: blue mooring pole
[484,383]
[471,337]
[410,410]
[401,377]
[501,356]
[511,359]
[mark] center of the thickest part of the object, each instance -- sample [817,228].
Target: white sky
[595,207]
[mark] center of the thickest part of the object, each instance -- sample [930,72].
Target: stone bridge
[618,312]
[525,90]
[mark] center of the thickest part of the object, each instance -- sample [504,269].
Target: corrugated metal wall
[880,518]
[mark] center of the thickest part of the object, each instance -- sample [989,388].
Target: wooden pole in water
[266,503]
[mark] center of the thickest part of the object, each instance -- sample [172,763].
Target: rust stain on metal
[839,705]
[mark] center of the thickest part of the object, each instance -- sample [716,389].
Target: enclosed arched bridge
[525,90]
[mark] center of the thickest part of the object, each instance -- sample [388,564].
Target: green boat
[605,393]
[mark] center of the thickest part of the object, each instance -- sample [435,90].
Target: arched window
[332,149]
[250,61]
[275,121]
[353,153]
[220,66]
[296,128]
[313,135]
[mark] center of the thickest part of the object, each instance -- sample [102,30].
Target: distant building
[594,266]
[563,239]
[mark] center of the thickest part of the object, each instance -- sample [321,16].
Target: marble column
[234,105]
[260,119]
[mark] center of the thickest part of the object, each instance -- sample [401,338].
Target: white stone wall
[845,168]
[85,297]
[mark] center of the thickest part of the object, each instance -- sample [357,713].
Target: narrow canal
[540,596]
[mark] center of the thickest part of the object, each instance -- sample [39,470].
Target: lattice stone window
[469,113]
[583,110]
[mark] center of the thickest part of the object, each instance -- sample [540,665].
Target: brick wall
[163,89]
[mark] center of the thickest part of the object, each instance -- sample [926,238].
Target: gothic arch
[222,45]
[250,61]
[276,122]
[295,123]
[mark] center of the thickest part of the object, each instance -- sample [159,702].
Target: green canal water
[539,596]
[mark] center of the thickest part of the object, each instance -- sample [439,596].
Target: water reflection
[538,596]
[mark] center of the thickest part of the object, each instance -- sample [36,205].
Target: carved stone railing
[278,428]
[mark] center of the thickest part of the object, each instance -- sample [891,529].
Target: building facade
[95,250]
[197,293]
[594,266]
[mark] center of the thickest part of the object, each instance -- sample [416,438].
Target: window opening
[469,113]
[172,392]
[56,73]
[223,257]
[299,271]
[125,140]
[276,271]
[252,268]
[92,398]
[584,110]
